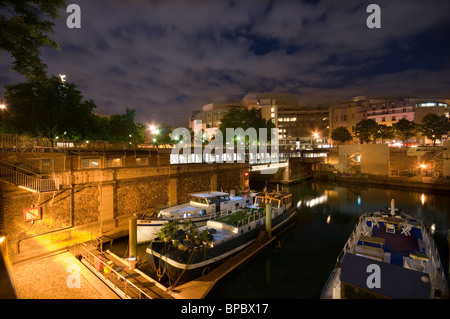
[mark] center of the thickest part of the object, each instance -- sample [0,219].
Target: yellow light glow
[422,199]
[423,166]
[2,106]
[2,239]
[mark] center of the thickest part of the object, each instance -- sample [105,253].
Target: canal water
[298,264]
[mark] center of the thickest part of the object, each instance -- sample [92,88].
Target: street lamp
[2,106]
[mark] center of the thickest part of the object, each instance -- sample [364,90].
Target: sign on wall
[30,214]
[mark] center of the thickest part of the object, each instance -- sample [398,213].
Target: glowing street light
[2,106]
[63,78]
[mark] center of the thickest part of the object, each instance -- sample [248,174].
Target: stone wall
[138,196]
[97,200]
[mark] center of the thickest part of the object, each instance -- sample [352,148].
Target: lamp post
[316,137]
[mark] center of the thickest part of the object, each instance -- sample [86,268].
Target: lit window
[114,162]
[90,162]
[141,161]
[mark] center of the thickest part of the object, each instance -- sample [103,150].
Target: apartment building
[299,126]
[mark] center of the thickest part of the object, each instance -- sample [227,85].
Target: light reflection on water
[299,264]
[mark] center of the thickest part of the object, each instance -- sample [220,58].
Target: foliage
[341,135]
[24,29]
[434,126]
[50,108]
[244,118]
[405,130]
[366,130]
[385,132]
[169,230]
[47,108]
[123,128]
[164,135]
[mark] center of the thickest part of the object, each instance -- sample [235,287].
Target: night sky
[167,58]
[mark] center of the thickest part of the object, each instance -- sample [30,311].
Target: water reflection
[300,264]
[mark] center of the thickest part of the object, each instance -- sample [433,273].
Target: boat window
[259,200]
[202,212]
[185,215]
[224,198]
[275,202]
[200,200]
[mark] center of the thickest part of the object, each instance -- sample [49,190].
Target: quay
[131,283]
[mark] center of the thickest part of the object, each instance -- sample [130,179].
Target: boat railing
[438,273]
[128,289]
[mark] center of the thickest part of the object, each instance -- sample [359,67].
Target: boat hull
[395,245]
[147,230]
[194,263]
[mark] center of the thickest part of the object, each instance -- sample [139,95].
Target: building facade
[299,126]
[387,111]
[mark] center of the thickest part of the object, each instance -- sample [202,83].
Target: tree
[164,135]
[405,130]
[244,118]
[341,135]
[434,126]
[24,29]
[47,108]
[366,130]
[122,128]
[385,132]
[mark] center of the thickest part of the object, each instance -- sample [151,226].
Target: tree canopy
[245,119]
[434,126]
[366,130]
[24,29]
[50,108]
[405,130]
[47,108]
[341,135]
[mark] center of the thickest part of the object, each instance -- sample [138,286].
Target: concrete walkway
[58,276]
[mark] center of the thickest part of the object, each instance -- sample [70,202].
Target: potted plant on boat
[169,231]
[191,231]
[206,238]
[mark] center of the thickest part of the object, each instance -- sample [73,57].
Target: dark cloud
[167,58]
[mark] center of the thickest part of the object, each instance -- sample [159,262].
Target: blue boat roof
[396,282]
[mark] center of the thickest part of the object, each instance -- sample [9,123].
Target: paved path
[51,277]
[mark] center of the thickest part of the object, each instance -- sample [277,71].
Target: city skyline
[166,59]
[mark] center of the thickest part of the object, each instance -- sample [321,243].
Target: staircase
[27,179]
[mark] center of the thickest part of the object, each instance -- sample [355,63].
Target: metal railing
[27,179]
[109,274]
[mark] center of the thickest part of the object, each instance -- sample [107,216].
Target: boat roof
[180,208]
[209,194]
[396,282]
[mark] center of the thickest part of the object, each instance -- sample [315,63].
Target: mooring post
[132,241]
[269,219]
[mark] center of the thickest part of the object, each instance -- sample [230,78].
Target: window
[114,162]
[90,162]
[393,118]
[186,215]
[383,119]
[141,161]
